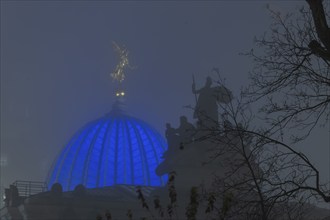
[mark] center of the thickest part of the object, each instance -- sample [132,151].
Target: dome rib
[77,162]
[153,168]
[132,174]
[101,161]
[151,156]
[146,179]
[65,160]
[137,155]
[79,136]
[110,171]
[123,151]
[92,153]
[115,165]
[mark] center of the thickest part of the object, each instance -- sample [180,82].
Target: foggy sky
[56,59]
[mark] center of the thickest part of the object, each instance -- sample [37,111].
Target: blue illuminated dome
[115,149]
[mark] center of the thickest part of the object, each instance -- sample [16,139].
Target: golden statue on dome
[119,73]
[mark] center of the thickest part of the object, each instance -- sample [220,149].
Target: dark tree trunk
[322,29]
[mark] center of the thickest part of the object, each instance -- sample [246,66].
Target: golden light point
[120,93]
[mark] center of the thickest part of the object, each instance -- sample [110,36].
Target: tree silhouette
[292,70]
[291,82]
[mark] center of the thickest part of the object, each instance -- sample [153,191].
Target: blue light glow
[111,150]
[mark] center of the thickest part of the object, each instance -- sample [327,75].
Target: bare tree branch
[293,82]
